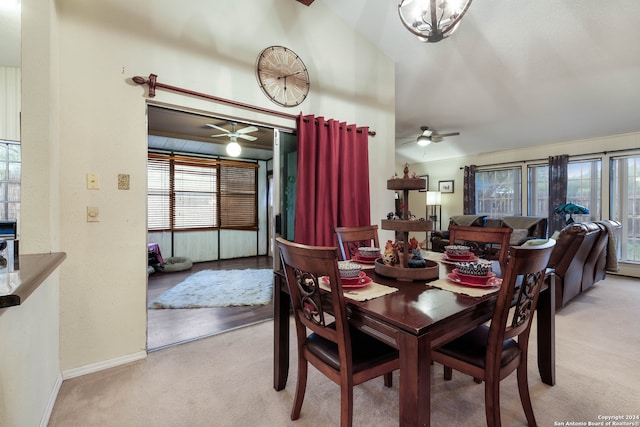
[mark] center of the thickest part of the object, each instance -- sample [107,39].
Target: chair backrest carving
[305,266]
[518,295]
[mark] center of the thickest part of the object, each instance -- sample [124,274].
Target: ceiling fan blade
[247,137]
[217,127]
[220,134]
[248,129]
[442,135]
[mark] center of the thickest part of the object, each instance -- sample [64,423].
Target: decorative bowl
[457,250]
[369,251]
[348,269]
[475,268]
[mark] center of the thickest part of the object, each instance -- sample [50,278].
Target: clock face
[282,76]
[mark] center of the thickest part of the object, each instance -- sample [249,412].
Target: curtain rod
[326,124]
[153,84]
[622,150]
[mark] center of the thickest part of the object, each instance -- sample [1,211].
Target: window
[538,203]
[498,192]
[583,187]
[190,193]
[194,196]
[625,204]
[238,201]
[10,175]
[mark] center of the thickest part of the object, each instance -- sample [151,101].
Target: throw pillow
[535,242]
[518,235]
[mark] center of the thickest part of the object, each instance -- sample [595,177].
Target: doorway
[176,131]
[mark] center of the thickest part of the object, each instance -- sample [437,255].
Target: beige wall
[82,114]
[29,333]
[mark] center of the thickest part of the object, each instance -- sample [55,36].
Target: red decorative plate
[352,282]
[484,282]
[365,259]
[460,258]
[364,281]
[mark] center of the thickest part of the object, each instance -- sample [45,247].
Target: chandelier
[432,20]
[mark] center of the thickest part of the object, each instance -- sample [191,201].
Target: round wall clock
[282,75]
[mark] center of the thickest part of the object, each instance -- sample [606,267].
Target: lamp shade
[434,198]
[432,20]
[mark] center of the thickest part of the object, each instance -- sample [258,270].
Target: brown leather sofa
[524,228]
[581,257]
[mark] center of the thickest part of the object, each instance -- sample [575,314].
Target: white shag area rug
[219,288]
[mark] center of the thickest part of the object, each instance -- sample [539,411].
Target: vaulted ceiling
[517,73]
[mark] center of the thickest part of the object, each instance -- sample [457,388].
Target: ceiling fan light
[423,140]
[234,149]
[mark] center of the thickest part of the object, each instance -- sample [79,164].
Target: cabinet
[402,227]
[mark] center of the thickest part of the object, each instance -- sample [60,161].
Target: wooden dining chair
[491,353]
[344,354]
[482,239]
[351,238]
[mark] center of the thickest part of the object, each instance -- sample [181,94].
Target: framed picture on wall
[426,187]
[445,186]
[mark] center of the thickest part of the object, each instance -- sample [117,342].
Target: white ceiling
[517,73]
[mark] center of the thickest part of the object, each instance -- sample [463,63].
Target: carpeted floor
[226,380]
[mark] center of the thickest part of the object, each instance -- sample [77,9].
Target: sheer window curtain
[333,179]
[557,189]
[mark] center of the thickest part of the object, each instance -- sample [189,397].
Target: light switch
[93,181]
[93,214]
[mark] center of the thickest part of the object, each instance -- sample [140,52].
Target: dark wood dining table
[414,320]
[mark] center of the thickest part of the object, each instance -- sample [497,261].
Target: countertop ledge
[34,270]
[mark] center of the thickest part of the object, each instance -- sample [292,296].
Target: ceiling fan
[233,148]
[240,133]
[428,136]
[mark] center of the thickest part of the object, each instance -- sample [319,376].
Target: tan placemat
[365,266]
[434,256]
[447,285]
[373,290]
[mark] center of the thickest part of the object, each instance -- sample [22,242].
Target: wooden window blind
[238,197]
[190,193]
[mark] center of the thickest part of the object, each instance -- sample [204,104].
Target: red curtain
[333,179]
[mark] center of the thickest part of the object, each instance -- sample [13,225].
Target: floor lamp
[434,199]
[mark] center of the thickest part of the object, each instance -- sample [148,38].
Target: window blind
[187,193]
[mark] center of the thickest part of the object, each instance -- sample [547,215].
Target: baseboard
[44,422]
[106,364]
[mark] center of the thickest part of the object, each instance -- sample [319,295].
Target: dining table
[415,317]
